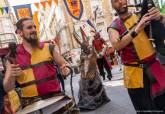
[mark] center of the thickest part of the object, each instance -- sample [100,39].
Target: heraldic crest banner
[74,8]
[23,11]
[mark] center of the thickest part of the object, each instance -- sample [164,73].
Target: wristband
[133,34]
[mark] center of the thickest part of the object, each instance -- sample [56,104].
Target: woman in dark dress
[91,92]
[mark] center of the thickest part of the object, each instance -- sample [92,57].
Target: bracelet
[133,34]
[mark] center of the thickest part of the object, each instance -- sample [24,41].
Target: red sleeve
[102,40]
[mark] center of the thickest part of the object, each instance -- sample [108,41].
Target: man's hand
[145,20]
[64,70]
[14,70]
[154,14]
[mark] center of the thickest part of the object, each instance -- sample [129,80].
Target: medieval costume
[36,83]
[144,76]
[102,61]
[91,92]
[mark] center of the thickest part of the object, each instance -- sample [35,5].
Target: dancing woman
[91,92]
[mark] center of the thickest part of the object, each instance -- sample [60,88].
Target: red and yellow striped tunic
[38,72]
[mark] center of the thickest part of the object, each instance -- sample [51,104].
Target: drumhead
[40,105]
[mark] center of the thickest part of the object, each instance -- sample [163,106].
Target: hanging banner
[23,11]
[43,4]
[1,10]
[91,24]
[37,5]
[49,3]
[56,2]
[6,9]
[75,8]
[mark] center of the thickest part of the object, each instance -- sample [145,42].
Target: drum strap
[37,82]
[59,76]
[35,65]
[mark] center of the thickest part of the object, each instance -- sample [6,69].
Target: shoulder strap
[35,65]
[59,76]
[37,82]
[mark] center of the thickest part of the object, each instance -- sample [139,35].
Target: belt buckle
[141,65]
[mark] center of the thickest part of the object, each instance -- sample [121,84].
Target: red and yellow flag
[23,11]
[75,8]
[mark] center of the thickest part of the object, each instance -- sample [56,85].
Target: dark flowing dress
[91,92]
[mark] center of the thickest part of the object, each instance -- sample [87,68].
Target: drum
[55,105]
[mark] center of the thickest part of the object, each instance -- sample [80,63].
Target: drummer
[33,67]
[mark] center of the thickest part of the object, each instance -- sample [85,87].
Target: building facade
[60,23]
[56,24]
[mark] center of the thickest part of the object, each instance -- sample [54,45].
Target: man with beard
[33,67]
[138,56]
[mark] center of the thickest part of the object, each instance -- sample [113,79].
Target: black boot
[102,74]
[109,76]
[103,77]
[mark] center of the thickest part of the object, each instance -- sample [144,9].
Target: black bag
[157,28]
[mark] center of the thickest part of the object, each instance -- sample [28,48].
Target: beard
[32,41]
[122,10]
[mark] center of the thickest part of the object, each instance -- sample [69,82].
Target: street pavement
[120,102]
